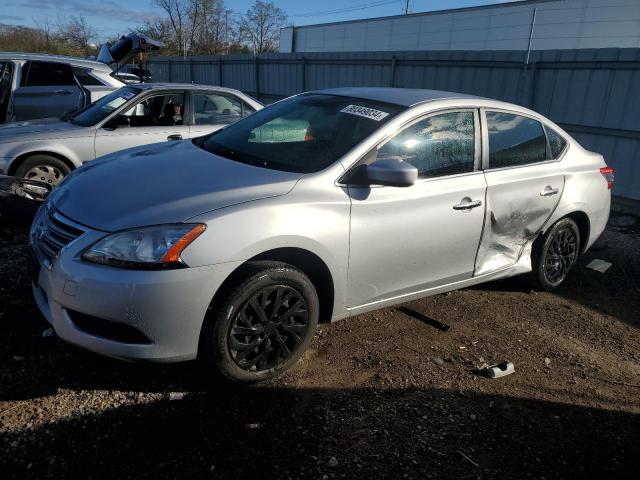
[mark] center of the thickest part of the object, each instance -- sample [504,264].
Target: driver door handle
[467,204]
[177,136]
[62,92]
[548,191]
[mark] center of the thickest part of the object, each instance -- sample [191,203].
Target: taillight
[608,174]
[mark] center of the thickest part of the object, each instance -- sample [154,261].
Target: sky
[115,17]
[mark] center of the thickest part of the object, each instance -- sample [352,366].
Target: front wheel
[43,168]
[556,254]
[265,325]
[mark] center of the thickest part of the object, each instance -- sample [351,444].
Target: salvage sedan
[47,150]
[233,246]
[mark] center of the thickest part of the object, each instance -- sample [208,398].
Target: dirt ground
[382,395]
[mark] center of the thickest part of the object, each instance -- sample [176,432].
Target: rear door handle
[177,136]
[467,204]
[62,92]
[548,191]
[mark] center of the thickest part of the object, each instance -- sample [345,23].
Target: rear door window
[85,78]
[514,140]
[217,109]
[45,74]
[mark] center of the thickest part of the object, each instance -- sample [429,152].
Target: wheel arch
[24,156]
[583,223]
[304,260]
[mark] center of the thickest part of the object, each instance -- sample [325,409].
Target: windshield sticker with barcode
[366,112]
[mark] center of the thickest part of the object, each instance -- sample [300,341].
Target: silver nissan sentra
[233,246]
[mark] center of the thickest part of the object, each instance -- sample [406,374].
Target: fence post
[392,80]
[257,77]
[532,86]
[169,65]
[220,71]
[191,70]
[304,75]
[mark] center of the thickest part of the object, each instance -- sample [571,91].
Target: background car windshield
[101,109]
[304,134]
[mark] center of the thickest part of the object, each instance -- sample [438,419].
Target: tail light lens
[608,174]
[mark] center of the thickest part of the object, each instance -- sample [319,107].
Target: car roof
[406,97]
[181,86]
[45,57]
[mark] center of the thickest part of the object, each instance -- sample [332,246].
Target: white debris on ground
[599,265]
[48,333]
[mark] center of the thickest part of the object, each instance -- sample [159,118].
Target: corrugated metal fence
[593,94]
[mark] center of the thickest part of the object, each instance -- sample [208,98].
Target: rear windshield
[102,108]
[303,134]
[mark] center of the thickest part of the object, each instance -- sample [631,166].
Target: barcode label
[366,112]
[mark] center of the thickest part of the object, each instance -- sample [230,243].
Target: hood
[9,131]
[166,183]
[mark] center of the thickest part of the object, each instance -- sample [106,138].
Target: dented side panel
[519,202]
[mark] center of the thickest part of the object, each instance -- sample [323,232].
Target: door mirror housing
[392,172]
[118,121]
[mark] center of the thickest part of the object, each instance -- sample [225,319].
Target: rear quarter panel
[585,190]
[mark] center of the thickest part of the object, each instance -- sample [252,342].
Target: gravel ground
[382,395]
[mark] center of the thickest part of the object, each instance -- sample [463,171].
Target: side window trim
[477,163]
[485,140]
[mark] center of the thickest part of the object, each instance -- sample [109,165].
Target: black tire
[238,322]
[43,168]
[555,254]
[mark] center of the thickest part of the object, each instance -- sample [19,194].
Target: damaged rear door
[524,186]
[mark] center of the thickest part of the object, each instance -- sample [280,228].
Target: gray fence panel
[593,94]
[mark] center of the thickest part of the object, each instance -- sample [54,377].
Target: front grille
[51,233]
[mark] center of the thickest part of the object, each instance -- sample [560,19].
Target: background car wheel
[43,168]
[556,254]
[265,324]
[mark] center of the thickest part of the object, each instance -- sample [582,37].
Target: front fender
[76,151]
[241,232]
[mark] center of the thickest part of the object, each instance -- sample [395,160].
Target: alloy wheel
[561,255]
[268,328]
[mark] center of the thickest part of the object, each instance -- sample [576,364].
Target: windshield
[303,134]
[102,108]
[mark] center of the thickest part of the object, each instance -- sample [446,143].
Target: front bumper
[168,307]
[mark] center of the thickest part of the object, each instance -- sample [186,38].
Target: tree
[260,26]
[77,34]
[178,18]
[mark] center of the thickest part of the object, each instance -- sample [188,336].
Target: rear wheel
[556,254]
[43,168]
[265,325]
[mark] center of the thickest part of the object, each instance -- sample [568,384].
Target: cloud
[104,8]
[15,18]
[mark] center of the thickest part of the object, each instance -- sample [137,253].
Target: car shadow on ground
[266,432]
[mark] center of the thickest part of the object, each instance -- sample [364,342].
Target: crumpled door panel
[515,213]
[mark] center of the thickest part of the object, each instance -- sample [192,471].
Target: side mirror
[392,172]
[118,121]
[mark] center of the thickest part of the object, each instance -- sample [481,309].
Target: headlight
[145,248]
